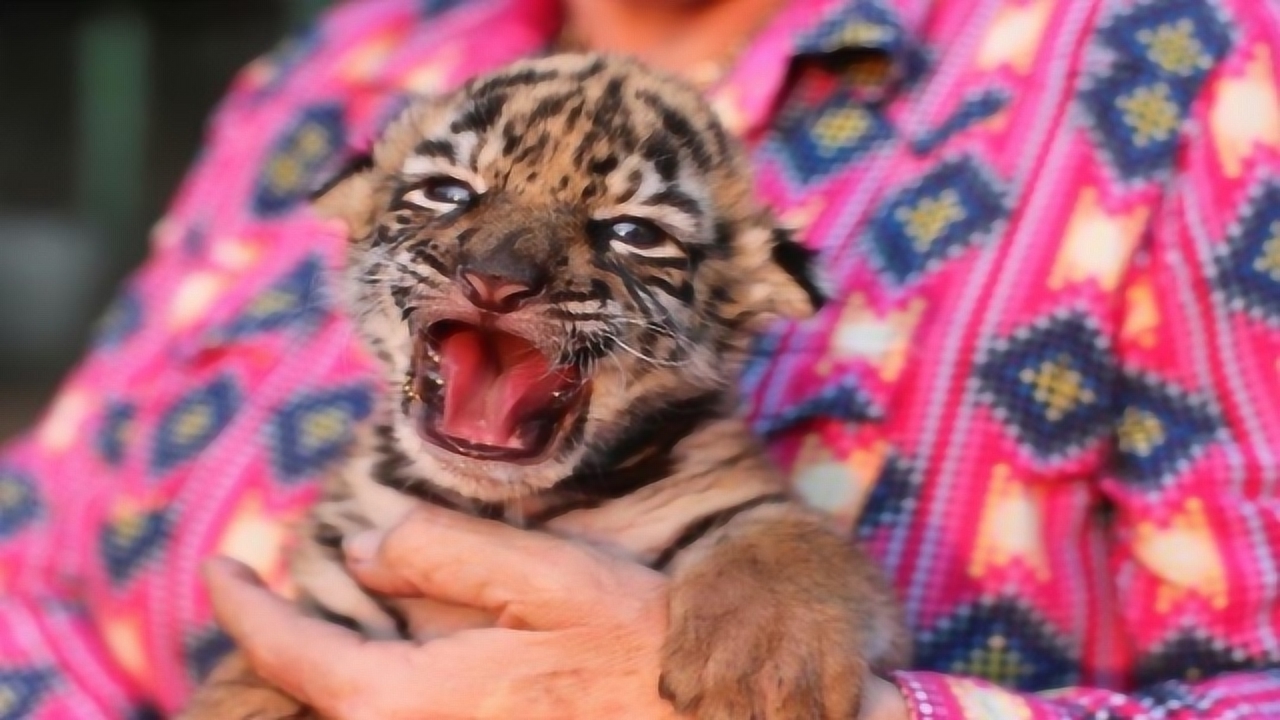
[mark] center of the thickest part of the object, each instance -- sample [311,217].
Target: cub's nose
[498,294]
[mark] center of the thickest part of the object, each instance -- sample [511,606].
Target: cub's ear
[350,197]
[783,274]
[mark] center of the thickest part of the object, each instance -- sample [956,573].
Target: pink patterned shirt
[1047,397]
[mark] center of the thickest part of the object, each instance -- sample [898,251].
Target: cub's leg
[234,692]
[775,617]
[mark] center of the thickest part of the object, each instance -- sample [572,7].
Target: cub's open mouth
[491,395]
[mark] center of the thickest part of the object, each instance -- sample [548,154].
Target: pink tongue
[493,384]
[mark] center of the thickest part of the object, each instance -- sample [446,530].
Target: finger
[545,582]
[292,651]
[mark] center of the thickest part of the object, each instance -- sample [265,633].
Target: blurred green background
[102,107]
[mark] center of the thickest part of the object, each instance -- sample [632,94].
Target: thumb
[525,578]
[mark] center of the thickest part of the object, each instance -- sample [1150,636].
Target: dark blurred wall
[102,107]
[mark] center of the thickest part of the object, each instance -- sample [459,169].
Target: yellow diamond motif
[313,142]
[272,302]
[840,128]
[1140,432]
[863,33]
[1175,48]
[1269,262]
[930,218]
[324,427]
[1057,386]
[996,662]
[284,173]
[1152,114]
[194,422]
[11,492]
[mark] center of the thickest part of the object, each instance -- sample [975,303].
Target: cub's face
[550,256]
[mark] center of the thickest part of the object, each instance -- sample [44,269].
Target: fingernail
[362,547]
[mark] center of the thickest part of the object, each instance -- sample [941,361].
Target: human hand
[579,633]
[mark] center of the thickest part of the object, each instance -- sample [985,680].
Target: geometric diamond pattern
[1001,640]
[432,8]
[203,650]
[975,108]
[1050,384]
[113,435]
[1247,268]
[21,690]
[917,228]
[296,298]
[122,318]
[19,501]
[130,539]
[856,25]
[315,429]
[1192,655]
[192,423]
[1161,429]
[299,158]
[892,498]
[844,400]
[1158,55]
[816,141]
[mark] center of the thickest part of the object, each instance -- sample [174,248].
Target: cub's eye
[632,232]
[447,190]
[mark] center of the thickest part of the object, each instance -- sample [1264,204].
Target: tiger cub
[560,267]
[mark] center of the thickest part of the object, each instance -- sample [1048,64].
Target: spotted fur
[657,469]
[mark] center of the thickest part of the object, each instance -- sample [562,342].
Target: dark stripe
[498,83]
[481,116]
[678,262]
[701,527]
[662,152]
[328,536]
[642,455]
[442,149]
[797,261]
[354,166]
[677,199]
[682,292]
[678,125]
[589,71]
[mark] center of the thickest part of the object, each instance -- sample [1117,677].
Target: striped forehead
[647,155]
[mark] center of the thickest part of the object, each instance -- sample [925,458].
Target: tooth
[409,391]
[557,394]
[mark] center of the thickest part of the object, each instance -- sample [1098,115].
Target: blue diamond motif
[192,423]
[21,690]
[974,109]
[203,650]
[1001,640]
[298,298]
[434,8]
[131,539]
[1193,656]
[1157,56]
[892,499]
[953,207]
[816,141]
[1161,429]
[1050,384]
[844,400]
[122,319]
[312,431]
[1248,268]
[299,159]
[856,25]
[20,503]
[113,435]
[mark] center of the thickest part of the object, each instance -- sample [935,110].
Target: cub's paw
[748,652]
